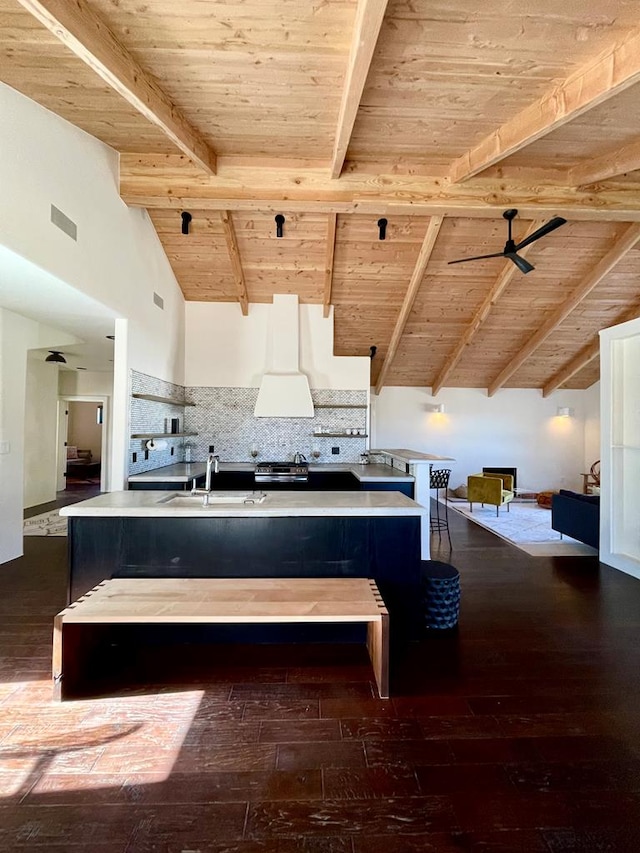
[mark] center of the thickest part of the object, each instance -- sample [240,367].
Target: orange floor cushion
[544,499]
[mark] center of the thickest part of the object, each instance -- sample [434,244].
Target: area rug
[47,524]
[527,526]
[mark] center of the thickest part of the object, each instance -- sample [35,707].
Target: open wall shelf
[161,434]
[339,406]
[155,399]
[336,435]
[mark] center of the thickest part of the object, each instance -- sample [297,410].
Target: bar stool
[439,479]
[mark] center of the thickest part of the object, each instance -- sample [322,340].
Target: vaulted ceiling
[436,115]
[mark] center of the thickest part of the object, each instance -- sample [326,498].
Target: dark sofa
[577,516]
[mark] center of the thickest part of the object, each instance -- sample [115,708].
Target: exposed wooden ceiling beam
[585,356]
[593,83]
[609,165]
[236,263]
[84,33]
[328,265]
[419,270]
[167,181]
[482,313]
[369,16]
[602,268]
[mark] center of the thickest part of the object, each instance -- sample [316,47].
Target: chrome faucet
[213,462]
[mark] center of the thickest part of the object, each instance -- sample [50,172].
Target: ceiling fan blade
[547,228]
[523,265]
[477,258]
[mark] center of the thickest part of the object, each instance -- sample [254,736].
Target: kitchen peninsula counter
[411,457]
[367,534]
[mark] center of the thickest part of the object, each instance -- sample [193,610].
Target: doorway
[82,443]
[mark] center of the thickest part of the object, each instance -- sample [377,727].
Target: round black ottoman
[441,594]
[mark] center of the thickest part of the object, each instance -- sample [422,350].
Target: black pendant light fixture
[56,356]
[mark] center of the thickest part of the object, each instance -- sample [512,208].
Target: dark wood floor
[517,733]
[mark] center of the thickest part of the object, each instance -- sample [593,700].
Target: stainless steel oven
[282,472]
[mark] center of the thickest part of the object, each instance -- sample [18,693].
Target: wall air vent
[158,300]
[62,221]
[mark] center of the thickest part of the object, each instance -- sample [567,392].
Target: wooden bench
[215,600]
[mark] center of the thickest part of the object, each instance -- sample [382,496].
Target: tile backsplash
[223,417]
[147,416]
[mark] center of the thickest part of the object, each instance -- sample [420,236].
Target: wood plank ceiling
[436,116]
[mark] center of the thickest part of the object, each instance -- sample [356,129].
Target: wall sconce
[564,412]
[382,229]
[56,356]
[279,224]
[436,408]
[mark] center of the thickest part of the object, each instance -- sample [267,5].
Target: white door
[61,445]
[620,452]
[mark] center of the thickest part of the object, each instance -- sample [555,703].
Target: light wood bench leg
[58,626]
[378,645]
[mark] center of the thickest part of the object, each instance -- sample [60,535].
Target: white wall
[515,428]
[156,335]
[80,383]
[117,261]
[591,425]
[17,335]
[40,431]
[117,258]
[15,332]
[225,349]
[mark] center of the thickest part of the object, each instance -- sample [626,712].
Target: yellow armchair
[494,489]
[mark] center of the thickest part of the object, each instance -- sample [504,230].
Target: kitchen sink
[213,499]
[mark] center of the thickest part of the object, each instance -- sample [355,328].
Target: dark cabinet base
[405,486]
[165,486]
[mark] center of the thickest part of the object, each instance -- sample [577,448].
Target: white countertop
[182,472]
[412,456]
[146,504]
[374,472]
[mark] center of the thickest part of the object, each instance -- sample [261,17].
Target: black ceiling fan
[511,248]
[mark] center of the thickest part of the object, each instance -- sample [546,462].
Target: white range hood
[284,390]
